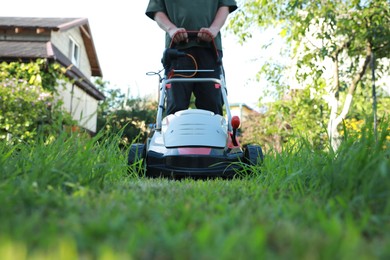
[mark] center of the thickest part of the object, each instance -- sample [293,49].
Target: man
[176,18]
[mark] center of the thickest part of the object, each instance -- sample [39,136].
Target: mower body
[192,142]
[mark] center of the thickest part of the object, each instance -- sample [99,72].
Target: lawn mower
[194,142]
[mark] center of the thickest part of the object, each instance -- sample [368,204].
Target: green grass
[75,199]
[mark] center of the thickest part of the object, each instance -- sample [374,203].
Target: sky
[129,44]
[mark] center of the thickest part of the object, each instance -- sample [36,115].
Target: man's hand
[207,34]
[178,35]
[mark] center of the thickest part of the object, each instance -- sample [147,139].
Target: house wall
[77,102]
[241,110]
[61,40]
[80,105]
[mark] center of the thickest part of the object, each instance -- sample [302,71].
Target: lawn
[76,199]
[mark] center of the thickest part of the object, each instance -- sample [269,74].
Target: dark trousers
[208,96]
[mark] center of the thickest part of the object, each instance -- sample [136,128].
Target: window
[74,52]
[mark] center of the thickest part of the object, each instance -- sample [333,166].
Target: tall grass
[65,163]
[74,198]
[359,172]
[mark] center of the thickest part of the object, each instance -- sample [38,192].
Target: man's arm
[177,34]
[208,34]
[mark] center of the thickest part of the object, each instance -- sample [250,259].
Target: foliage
[287,120]
[340,34]
[303,113]
[73,199]
[362,105]
[114,97]
[27,101]
[128,117]
[357,21]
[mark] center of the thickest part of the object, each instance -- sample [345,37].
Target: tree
[128,117]
[346,34]
[287,120]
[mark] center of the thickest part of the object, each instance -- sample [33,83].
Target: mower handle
[193,36]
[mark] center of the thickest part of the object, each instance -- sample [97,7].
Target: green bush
[27,101]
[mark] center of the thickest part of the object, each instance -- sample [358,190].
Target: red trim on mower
[194,150]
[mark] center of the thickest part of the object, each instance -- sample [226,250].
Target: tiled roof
[12,49]
[56,24]
[36,22]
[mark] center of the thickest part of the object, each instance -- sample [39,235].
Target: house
[67,41]
[242,110]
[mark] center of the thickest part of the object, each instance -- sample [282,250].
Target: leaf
[283,32]
[32,80]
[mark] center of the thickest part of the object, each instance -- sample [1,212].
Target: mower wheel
[136,153]
[253,154]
